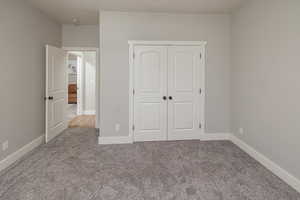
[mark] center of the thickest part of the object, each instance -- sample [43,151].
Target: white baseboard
[215,136]
[129,140]
[89,112]
[115,140]
[9,160]
[269,164]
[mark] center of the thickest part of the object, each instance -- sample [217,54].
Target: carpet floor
[74,167]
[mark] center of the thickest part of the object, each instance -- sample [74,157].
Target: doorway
[81,110]
[72,89]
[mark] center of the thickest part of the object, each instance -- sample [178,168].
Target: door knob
[164,98]
[49,98]
[170,97]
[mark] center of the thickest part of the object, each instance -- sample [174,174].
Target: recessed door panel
[150,109]
[58,108]
[150,71]
[150,116]
[183,115]
[183,72]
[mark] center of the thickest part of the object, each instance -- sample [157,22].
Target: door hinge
[200,125]
[200,91]
[133,55]
[133,127]
[133,92]
[200,55]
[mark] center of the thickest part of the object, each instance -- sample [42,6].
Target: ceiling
[86,11]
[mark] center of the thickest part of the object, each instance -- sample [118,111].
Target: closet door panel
[150,85]
[184,76]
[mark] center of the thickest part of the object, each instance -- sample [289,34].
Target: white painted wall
[89,82]
[23,36]
[80,36]
[119,27]
[265,79]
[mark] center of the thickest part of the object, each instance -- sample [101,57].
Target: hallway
[83,121]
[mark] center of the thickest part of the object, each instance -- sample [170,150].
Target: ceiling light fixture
[75,21]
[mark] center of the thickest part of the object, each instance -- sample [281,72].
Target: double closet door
[168,92]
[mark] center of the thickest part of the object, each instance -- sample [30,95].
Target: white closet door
[150,85]
[185,79]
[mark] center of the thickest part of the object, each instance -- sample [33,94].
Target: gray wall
[23,36]
[117,28]
[265,79]
[80,36]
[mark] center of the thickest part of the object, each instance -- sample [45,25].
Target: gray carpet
[75,167]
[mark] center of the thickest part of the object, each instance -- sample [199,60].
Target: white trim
[98,78]
[269,164]
[50,137]
[195,136]
[12,158]
[167,43]
[98,85]
[80,83]
[46,92]
[129,139]
[97,93]
[203,95]
[80,48]
[215,136]
[89,112]
[115,140]
[131,88]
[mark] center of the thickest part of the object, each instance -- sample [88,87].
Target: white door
[150,86]
[79,85]
[185,85]
[56,92]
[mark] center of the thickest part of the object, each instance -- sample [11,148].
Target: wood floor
[83,121]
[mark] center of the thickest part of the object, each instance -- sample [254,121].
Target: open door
[56,92]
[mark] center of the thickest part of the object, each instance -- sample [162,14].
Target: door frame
[97,92]
[132,44]
[79,82]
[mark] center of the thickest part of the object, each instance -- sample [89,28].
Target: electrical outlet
[117,127]
[5,145]
[241,131]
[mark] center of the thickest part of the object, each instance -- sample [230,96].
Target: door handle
[164,98]
[170,97]
[49,98]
